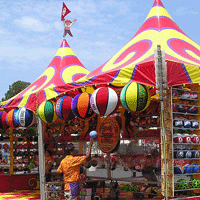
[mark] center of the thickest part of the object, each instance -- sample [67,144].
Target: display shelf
[191,129]
[189,189]
[189,174]
[185,99]
[186,158]
[186,144]
[180,102]
[185,90]
[187,114]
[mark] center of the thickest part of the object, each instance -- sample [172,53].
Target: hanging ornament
[63,108]
[81,106]
[47,112]
[25,117]
[3,123]
[135,97]
[11,118]
[104,101]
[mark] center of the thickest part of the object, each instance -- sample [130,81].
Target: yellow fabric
[131,96]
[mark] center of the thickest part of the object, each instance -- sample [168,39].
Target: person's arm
[88,155]
[60,170]
[49,165]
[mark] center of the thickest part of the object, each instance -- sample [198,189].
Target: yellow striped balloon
[46,111]
[135,97]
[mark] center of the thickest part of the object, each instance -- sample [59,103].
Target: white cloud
[184,11]
[32,24]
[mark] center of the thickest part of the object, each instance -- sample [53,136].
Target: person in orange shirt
[70,167]
[48,165]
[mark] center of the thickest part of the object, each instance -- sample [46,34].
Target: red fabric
[101,98]
[158,3]
[65,11]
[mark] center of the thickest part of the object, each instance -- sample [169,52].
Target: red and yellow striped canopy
[133,63]
[64,68]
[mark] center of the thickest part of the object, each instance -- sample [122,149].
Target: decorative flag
[65,11]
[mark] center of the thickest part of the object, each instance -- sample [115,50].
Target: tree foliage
[15,88]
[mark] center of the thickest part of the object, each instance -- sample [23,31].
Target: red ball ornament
[63,108]
[186,138]
[104,101]
[178,138]
[3,123]
[195,138]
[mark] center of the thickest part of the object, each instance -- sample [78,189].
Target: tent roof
[135,61]
[64,68]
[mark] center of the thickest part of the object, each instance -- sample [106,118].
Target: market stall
[141,101]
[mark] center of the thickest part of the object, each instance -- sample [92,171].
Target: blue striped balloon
[25,117]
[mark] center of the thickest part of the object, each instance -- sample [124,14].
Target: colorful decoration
[3,123]
[178,169]
[63,108]
[195,168]
[67,24]
[47,112]
[125,66]
[178,123]
[25,117]
[195,138]
[194,124]
[194,183]
[135,97]
[188,168]
[108,134]
[81,106]
[178,138]
[178,153]
[93,134]
[104,101]
[182,184]
[64,68]
[11,118]
[195,153]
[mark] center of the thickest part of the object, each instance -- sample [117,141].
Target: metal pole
[108,167]
[41,158]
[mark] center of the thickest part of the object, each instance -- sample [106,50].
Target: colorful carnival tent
[64,68]
[135,61]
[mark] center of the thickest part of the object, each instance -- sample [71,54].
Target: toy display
[185,138]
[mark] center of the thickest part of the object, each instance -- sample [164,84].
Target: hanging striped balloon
[63,108]
[46,111]
[81,106]
[135,97]
[11,118]
[25,117]
[104,101]
[3,123]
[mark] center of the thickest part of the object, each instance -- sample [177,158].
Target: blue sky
[31,31]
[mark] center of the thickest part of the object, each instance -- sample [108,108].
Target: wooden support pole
[11,151]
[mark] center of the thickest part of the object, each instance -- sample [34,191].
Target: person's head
[70,150]
[48,153]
